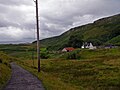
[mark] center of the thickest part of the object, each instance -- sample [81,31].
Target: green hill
[102,31]
[115,40]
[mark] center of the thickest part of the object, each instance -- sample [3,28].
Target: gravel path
[23,80]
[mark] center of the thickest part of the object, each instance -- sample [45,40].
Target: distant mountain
[102,31]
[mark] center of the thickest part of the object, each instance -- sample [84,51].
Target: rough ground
[23,80]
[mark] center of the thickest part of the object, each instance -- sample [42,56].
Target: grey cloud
[64,15]
[56,16]
[5,23]
[16,2]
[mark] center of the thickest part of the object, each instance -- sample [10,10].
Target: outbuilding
[68,49]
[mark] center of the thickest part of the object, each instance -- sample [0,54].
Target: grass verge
[5,69]
[5,73]
[99,74]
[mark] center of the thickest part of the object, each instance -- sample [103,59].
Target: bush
[44,55]
[73,55]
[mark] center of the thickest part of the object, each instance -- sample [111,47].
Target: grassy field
[95,70]
[22,51]
[5,69]
[5,73]
[90,70]
[25,52]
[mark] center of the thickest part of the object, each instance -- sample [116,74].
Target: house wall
[64,50]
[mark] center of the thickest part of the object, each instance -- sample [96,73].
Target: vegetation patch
[5,69]
[5,73]
[82,69]
[96,74]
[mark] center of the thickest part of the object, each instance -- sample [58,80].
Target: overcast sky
[17,17]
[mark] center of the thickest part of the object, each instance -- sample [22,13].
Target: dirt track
[23,80]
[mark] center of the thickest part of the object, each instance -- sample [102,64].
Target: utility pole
[38,43]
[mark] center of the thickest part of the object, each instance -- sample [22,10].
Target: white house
[83,46]
[88,45]
[91,46]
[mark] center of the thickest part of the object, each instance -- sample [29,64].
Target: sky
[18,19]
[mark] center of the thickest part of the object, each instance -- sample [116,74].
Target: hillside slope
[102,31]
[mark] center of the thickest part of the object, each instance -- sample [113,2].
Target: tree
[75,41]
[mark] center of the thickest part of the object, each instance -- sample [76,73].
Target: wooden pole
[38,46]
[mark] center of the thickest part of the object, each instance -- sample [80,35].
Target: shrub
[73,55]
[44,55]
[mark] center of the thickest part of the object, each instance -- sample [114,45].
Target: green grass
[5,69]
[19,51]
[5,73]
[100,53]
[50,81]
[98,70]
[93,54]
[94,69]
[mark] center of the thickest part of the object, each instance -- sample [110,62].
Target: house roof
[69,48]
